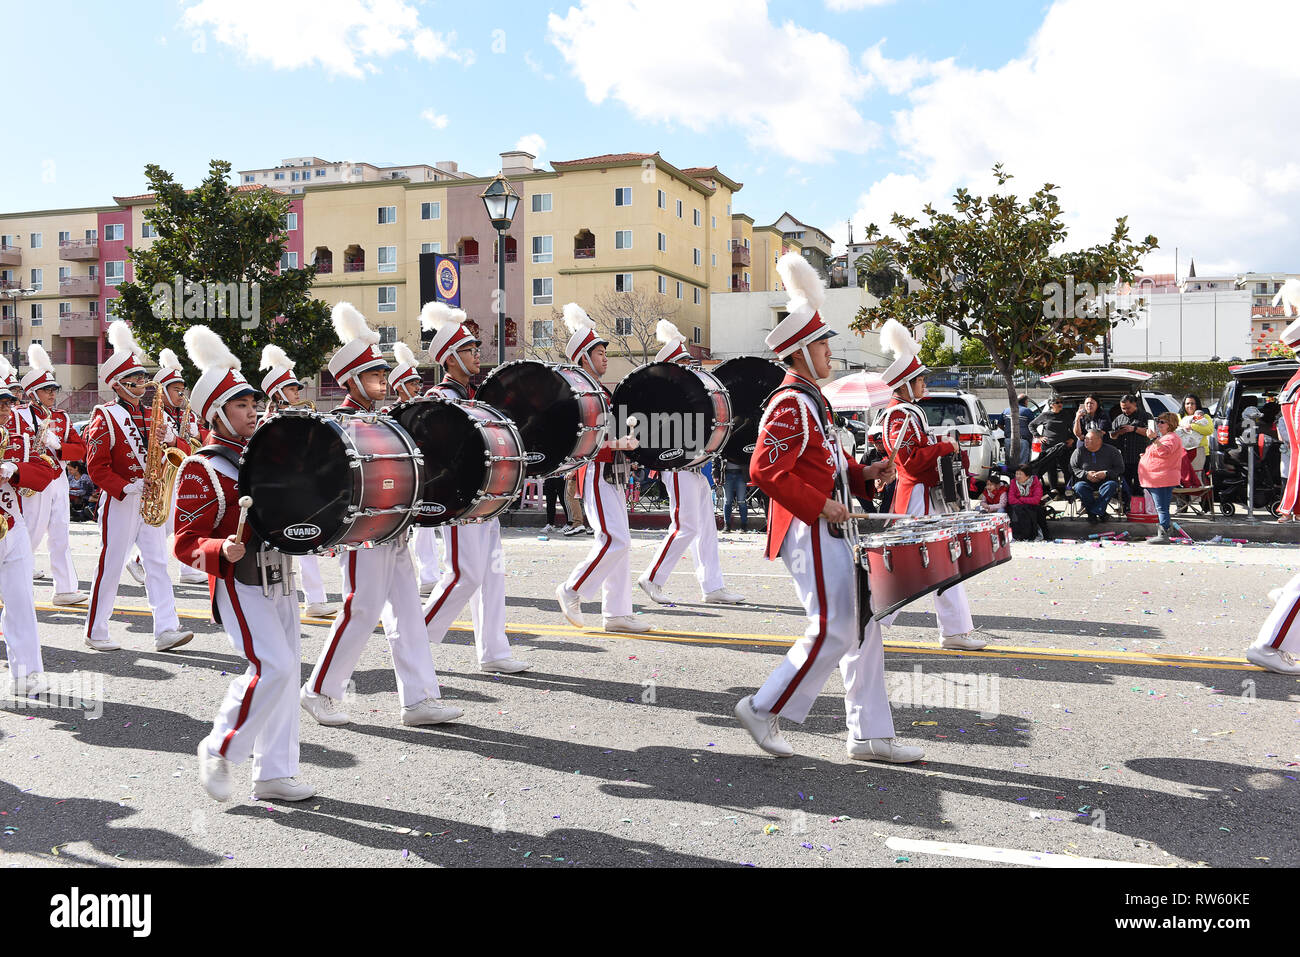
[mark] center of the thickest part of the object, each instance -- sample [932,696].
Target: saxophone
[39,450]
[160,467]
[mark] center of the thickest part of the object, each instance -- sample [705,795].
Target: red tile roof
[606,158]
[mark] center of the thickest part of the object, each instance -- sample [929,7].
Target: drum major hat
[674,348]
[584,337]
[219,378]
[803,323]
[360,352]
[280,372]
[449,330]
[42,371]
[169,371]
[8,382]
[405,369]
[126,354]
[906,366]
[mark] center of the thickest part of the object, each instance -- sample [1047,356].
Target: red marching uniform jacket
[1289,398]
[72,446]
[33,472]
[111,458]
[207,513]
[916,453]
[794,462]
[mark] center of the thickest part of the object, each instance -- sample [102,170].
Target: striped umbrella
[859,392]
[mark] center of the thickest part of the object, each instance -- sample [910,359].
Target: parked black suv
[1250,383]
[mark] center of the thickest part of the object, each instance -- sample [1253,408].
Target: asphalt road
[1112,720]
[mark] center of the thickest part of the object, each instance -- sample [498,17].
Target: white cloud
[1170,121]
[340,36]
[532,143]
[842,5]
[437,120]
[536,67]
[786,88]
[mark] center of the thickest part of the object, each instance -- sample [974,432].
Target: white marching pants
[824,578]
[18,620]
[475,571]
[951,608]
[693,525]
[120,527]
[313,586]
[259,715]
[426,554]
[607,567]
[373,578]
[1281,630]
[49,512]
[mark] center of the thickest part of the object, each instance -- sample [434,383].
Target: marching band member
[916,454]
[690,502]
[281,386]
[248,586]
[474,556]
[21,468]
[171,388]
[48,511]
[798,462]
[117,442]
[1279,638]
[373,577]
[602,484]
[406,382]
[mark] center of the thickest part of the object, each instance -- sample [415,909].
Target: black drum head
[749,380]
[453,458]
[543,408]
[295,468]
[674,412]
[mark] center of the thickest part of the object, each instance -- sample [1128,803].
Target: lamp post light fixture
[501,201]
[13,294]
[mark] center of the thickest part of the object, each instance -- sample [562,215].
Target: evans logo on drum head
[671,454]
[302,533]
[431,508]
[532,458]
[749,449]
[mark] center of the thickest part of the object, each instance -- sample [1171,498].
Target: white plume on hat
[167,359]
[576,318]
[6,370]
[122,339]
[403,354]
[273,357]
[666,331]
[39,359]
[1289,297]
[895,337]
[350,325]
[207,350]
[801,280]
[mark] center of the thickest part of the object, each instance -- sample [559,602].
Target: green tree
[932,345]
[989,272]
[878,271]
[224,248]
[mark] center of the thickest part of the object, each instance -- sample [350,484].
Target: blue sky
[827,112]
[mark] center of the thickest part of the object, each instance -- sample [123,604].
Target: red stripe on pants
[251,655]
[600,523]
[1286,625]
[821,622]
[455,567]
[99,572]
[677,517]
[344,617]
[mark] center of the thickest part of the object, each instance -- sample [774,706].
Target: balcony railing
[584,252]
[9,328]
[76,325]
[10,255]
[79,286]
[469,259]
[740,256]
[355,266]
[79,250]
[10,284]
[739,286]
[324,266]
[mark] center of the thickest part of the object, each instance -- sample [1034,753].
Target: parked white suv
[960,418]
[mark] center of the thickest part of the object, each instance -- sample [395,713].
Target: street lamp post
[500,200]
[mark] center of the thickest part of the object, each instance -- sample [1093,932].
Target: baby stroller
[1232,482]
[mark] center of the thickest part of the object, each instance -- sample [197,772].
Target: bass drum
[473,459]
[748,380]
[321,481]
[683,415]
[559,410]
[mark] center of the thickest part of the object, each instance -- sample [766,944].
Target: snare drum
[473,459]
[320,481]
[683,414]
[984,541]
[906,563]
[559,410]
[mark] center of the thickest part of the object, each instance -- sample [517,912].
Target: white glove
[133,487]
[170,435]
[52,442]
[8,470]
[194,428]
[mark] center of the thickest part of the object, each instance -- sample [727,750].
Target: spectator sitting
[1026,434]
[1131,436]
[1097,470]
[1088,417]
[1025,506]
[1056,429]
[994,496]
[1196,426]
[82,494]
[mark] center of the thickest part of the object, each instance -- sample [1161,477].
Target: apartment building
[814,244]
[298,172]
[755,251]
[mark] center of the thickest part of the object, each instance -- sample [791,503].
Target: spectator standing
[735,484]
[1131,436]
[1161,471]
[1097,469]
[553,489]
[1025,506]
[1057,432]
[1196,422]
[573,507]
[1088,417]
[1026,433]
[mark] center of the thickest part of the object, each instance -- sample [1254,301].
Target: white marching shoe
[192,576]
[70,598]
[214,773]
[720,596]
[764,730]
[504,666]
[40,575]
[32,683]
[102,644]
[173,638]
[570,605]
[654,591]
[1274,659]
[136,568]
[430,711]
[321,609]
[883,749]
[966,642]
[630,624]
[282,789]
[326,710]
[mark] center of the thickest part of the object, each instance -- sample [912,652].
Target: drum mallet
[245,503]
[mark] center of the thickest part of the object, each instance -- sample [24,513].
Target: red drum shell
[906,565]
[985,543]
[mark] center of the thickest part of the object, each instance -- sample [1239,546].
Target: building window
[279,176]
[288,261]
[248,177]
[679,209]
[663,286]
[65,237]
[94,307]
[93,271]
[715,260]
[623,326]
[622,282]
[622,239]
[663,243]
[746,279]
[114,273]
[289,222]
[542,292]
[388,259]
[746,243]
[698,257]
[430,247]
[387,302]
[65,272]
[387,215]
[543,330]
[698,339]
[431,210]
[92,235]
[623,196]
[65,308]
[147,231]
[38,313]
[113,233]
[543,251]
[696,218]
[294,177]
[697,295]
[679,290]
[715,221]
[541,202]
[662,200]
[38,342]
[35,241]
[38,279]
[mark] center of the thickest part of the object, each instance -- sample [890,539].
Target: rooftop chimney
[517,161]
